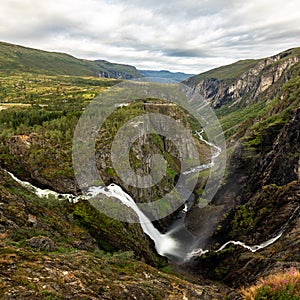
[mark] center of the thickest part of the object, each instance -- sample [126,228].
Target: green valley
[52,247]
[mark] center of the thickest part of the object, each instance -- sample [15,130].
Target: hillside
[229,72]
[260,116]
[246,81]
[17,59]
[51,247]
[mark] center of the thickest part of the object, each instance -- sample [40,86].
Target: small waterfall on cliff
[199,252]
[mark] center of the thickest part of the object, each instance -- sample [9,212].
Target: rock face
[43,243]
[261,193]
[259,81]
[24,150]
[270,187]
[115,74]
[144,148]
[76,268]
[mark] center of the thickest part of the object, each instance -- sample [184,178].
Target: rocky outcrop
[46,251]
[145,147]
[256,83]
[42,243]
[261,193]
[115,74]
[25,161]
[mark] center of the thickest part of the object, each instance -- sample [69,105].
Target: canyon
[249,229]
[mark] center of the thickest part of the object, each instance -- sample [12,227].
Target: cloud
[191,36]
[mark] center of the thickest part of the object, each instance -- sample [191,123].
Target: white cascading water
[43,192]
[216,152]
[199,252]
[165,244]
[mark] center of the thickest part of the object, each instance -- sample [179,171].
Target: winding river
[177,243]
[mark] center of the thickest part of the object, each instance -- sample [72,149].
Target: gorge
[208,247]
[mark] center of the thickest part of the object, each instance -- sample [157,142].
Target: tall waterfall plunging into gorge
[177,243]
[166,244]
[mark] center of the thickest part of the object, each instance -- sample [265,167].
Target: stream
[177,244]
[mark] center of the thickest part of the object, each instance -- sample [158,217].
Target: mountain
[233,83]
[229,72]
[16,59]
[257,102]
[52,248]
[166,75]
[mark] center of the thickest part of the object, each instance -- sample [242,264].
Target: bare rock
[42,243]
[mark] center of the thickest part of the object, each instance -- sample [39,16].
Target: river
[177,243]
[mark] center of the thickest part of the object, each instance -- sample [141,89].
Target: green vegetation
[38,116]
[240,119]
[17,59]
[279,286]
[229,72]
[242,222]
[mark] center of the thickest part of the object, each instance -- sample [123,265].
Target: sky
[190,36]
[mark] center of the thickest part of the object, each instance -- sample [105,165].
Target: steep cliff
[149,144]
[246,81]
[261,117]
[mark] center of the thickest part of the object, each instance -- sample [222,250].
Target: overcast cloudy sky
[178,35]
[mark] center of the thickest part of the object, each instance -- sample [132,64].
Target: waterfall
[178,242]
[200,252]
[216,152]
[165,244]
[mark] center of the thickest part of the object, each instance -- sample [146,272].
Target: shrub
[280,286]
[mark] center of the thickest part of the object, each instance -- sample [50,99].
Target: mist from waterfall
[178,243]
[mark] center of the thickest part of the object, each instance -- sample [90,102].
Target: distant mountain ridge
[14,59]
[164,74]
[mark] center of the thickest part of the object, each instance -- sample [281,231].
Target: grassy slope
[258,117]
[228,72]
[15,58]
[76,267]
[235,70]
